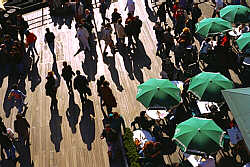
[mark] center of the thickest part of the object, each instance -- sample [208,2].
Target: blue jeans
[32,48]
[10,152]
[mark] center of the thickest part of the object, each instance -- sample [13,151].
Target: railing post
[42,16]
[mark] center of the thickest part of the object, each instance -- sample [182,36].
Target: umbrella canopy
[244,41]
[211,26]
[199,135]
[158,92]
[235,13]
[207,86]
[238,102]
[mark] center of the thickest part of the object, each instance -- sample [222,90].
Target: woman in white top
[131,6]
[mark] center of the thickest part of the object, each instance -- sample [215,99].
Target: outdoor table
[204,106]
[157,113]
[142,136]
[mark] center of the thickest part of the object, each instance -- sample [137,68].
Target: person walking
[82,35]
[67,75]
[50,39]
[106,34]
[137,23]
[17,98]
[22,26]
[21,127]
[31,43]
[159,33]
[196,13]
[131,7]
[81,84]
[120,32]
[107,97]
[103,8]
[51,89]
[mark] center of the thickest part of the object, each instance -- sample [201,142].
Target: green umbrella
[244,41]
[161,92]
[199,135]
[207,86]
[211,26]
[235,13]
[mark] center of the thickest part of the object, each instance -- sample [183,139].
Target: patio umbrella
[212,26]
[235,13]
[244,41]
[207,86]
[158,92]
[199,135]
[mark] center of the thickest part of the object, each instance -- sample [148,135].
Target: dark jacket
[50,86]
[115,17]
[49,37]
[67,73]
[21,126]
[159,33]
[196,14]
[80,83]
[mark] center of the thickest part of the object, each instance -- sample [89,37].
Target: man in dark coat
[196,13]
[137,23]
[115,16]
[21,127]
[50,39]
[51,89]
[67,75]
[103,8]
[82,86]
[22,26]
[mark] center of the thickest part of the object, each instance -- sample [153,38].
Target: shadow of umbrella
[87,124]
[73,113]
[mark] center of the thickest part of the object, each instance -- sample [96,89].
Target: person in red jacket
[31,43]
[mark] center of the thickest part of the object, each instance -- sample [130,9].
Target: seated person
[206,162]
[142,122]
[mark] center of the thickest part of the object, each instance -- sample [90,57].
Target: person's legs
[103,17]
[130,41]
[34,47]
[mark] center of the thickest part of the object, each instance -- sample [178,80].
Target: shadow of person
[24,155]
[151,14]
[124,52]
[87,124]
[55,129]
[34,76]
[89,67]
[140,56]
[72,113]
[110,61]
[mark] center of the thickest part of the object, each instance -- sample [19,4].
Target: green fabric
[207,86]
[238,102]
[235,13]
[160,92]
[199,134]
[244,41]
[210,26]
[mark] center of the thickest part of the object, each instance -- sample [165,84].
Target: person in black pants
[51,90]
[67,75]
[103,8]
[50,39]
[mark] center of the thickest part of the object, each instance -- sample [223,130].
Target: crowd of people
[216,54]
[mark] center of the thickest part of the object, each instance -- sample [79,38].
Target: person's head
[168,29]
[87,11]
[102,78]
[50,74]
[26,32]
[119,21]
[137,17]
[142,113]
[19,116]
[157,24]
[65,64]
[78,72]
[116,115]
[7,37]
[208,40]
[115,10]
[213,108]
[195,5]
[47,30]
[15,86]
[106,83]
[186,30]
[130,14]
[107,127]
